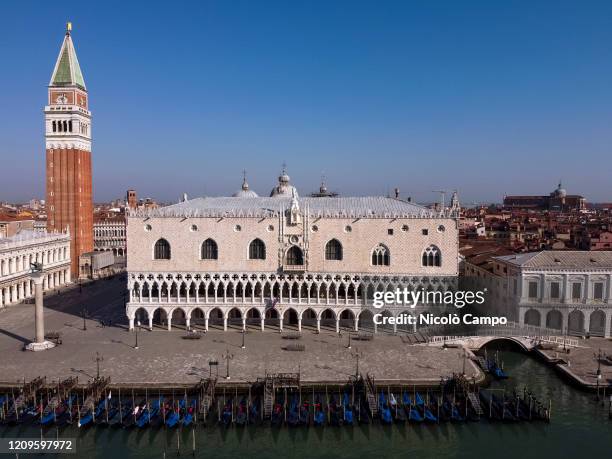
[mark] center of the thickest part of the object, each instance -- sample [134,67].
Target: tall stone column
[39,315]
[39,343]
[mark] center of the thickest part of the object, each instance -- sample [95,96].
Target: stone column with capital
[39,343]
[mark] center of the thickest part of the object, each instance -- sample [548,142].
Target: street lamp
[357,355]
[227,358]
[137,329]
[98,359]
[84,314]
[598,371]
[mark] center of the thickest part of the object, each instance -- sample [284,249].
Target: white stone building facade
[248,261]
[110,235]
[28,246]
[568,291]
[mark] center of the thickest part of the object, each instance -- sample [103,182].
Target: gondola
[148,413]
[397,409]
[305,413]
[347,409]
[277,415]
[108,413]
[158,413]
[123,407]
[424,410]
[242,414]
[190,411]
[88,416]
[413,413]
[319,413]
[227,413]
[383,409]
[293,414]
[335,412]
[451,411]
[496,370]
[69,414]
[254,411]
[55,410]
[173,415]
[436,405]
[364,414]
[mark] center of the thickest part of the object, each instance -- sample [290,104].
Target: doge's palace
[283,260]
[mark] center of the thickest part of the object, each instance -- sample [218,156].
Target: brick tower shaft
[68,144]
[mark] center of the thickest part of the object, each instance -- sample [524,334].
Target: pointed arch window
[161,250]
[432,256]
[381,256]
[294,256]
[257,250]
[333,250]
[209,250]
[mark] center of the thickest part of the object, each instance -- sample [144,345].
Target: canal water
[579,428]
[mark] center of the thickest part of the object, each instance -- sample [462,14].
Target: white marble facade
[19,251]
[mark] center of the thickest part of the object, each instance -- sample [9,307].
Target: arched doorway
[309,318]
[328,319]
[575,322]
[215,318]
[366,321]
[179,319]
[554,319]
[347,320]
[405,326]
[597,323]
[253,317]
[160,318]
[532,317]
[290,318]
[141,318]
[198,318]
[385,325]
[272,318]
[234,318]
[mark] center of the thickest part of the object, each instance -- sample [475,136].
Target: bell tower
[68,144]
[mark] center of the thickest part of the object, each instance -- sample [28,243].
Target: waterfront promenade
[166,358]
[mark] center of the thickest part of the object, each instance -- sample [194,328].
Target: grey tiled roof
[561,259]
[338,207]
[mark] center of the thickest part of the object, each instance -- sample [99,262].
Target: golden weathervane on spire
[68,27]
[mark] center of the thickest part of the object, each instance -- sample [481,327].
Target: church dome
[560,192]
[284,187]
[244,191]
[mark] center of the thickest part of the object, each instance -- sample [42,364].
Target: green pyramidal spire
[67,70]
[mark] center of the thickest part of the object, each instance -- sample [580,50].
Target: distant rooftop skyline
[488,99]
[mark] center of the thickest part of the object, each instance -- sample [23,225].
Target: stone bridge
[526,343]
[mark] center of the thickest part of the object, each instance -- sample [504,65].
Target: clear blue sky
[491,98]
